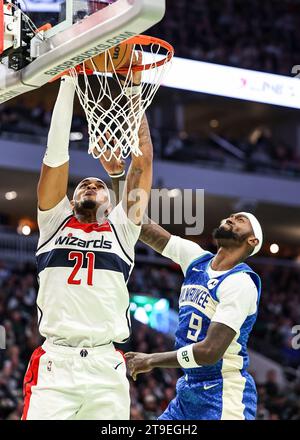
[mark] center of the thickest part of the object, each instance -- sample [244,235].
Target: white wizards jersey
[83,272]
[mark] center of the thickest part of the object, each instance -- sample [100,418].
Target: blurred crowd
[18,290]
[276,402]
[279,312]
[261,154]
[33,122]
[264,154]
[260,35]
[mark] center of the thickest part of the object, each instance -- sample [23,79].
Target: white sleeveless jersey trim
[51,220]
[115,232]
[53,235]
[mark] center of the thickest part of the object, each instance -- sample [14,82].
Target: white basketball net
[114,105]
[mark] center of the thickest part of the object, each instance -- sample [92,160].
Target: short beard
[85,204]
[225,234]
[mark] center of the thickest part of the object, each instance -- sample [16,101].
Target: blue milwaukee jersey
[197,305]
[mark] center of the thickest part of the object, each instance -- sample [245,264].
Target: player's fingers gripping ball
[114,59]
[137,61]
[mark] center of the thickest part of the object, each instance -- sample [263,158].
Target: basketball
[114,59]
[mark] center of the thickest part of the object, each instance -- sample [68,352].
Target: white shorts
[66,383]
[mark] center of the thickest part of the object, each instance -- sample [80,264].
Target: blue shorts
[230,397]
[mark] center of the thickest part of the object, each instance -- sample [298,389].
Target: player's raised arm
[52,186]
[134,192]
[139,177]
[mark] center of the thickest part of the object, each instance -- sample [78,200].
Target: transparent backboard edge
[122,20]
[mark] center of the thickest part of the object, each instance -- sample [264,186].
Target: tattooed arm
[154,235]
[135,191]
[139,177]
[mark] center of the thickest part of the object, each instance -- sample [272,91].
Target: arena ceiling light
[26,230]
[274,248]
[214,123]
[76,136]
[11,195]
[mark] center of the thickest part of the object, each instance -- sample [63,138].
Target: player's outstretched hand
[109,161]
[138,363]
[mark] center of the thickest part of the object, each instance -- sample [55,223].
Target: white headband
[94,178]
[257,230]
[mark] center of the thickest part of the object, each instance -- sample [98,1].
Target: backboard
[80,29]
[62,14]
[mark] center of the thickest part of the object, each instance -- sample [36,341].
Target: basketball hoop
[113,104]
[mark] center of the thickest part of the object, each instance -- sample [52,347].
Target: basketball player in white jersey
[85,256]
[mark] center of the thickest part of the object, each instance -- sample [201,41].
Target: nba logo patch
[49,366]
[212,283]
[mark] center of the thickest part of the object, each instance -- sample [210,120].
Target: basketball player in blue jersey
[85,256]
[218,307]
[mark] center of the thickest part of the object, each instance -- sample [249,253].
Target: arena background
[245,154]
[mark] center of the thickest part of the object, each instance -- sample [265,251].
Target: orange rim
[143,40]
[146,40]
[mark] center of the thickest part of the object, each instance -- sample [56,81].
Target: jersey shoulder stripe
[54,233]
[120,244]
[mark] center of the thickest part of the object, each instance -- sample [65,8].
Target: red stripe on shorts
[122,353]
[31,378]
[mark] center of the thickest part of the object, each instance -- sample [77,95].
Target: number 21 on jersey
[79,258]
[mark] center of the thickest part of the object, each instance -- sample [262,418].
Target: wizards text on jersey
[89,244]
